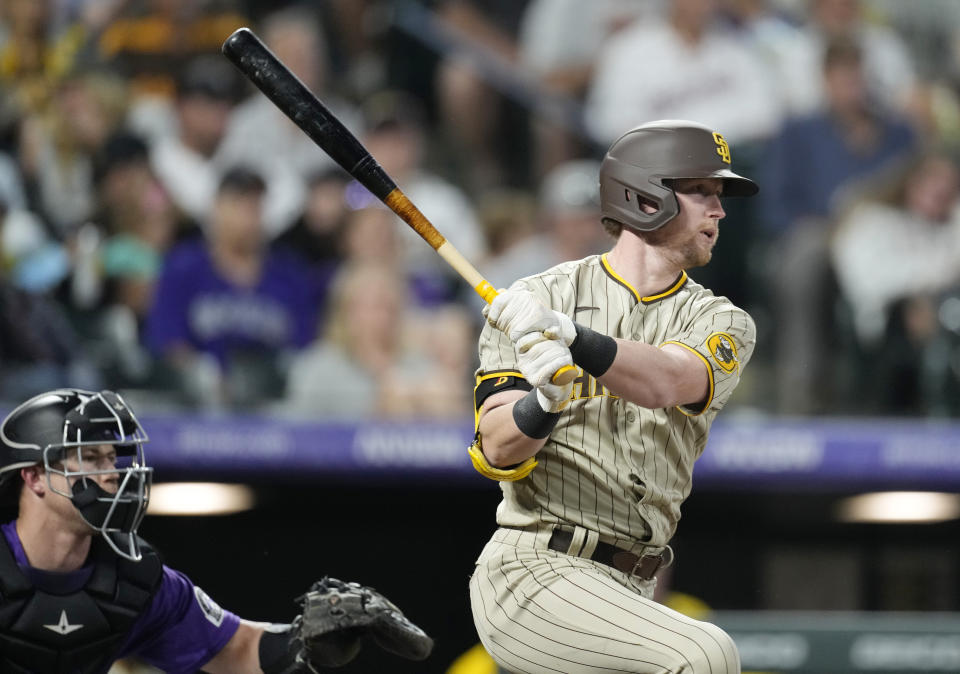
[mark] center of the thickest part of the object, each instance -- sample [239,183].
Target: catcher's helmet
[54,427]
[641,159]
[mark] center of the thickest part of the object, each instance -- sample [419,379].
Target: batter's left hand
[518,312]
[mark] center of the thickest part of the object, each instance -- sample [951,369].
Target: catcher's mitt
[337,615]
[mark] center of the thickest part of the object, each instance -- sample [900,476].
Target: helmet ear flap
[623,203]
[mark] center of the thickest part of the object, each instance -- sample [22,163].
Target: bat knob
[564,375]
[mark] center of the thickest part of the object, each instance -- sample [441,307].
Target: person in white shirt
[682,67]
[261,137]
[906,247]
[187,163]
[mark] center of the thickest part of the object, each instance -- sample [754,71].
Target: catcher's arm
[336,618]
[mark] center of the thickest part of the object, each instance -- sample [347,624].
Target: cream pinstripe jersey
[610,465]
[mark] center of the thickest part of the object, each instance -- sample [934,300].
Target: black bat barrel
[252,57]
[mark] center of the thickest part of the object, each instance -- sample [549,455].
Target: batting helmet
[641,159]
[52,429]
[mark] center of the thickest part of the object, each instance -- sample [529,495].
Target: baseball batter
[593,473]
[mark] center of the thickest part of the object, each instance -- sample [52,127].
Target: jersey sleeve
[183,628]
[723,337]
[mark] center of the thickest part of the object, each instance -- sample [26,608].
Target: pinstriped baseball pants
[538,611]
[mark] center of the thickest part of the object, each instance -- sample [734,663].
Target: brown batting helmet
[641,159]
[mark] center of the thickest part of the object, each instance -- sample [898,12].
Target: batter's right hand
[518,312]
[554,397]
[541,361]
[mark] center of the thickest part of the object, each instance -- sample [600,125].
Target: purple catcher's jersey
[181,629]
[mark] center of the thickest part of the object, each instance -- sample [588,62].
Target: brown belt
[643,567]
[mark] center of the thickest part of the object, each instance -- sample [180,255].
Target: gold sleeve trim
[706,404]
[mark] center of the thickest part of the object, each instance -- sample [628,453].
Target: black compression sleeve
[532,420]
[593,351]
[277,654]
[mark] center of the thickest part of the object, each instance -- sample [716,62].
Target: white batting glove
[541,361]
[518,312]
[565,331]
[553,398]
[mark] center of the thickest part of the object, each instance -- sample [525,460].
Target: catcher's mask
[638,163]
[59,429]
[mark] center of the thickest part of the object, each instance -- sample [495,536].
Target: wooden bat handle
[398,202]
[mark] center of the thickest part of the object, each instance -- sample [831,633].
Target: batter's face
[687,241]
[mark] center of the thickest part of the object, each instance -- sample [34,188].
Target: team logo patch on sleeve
[211,609]
[723,350]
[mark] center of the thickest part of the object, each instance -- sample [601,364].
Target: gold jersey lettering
[585,386]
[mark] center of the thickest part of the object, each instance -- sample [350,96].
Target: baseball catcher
[79,588]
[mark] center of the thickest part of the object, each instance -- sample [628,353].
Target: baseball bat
[252,57]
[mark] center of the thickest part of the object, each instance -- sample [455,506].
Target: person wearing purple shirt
[228,299]
[79,589]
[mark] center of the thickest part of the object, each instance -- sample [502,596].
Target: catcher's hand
[337,615]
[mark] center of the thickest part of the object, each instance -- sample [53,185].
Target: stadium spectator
[260,136]
[363,362]
[39,348]
[56,149]
[813,164]
[117,257]
[894,259]
[568,204]
[227,310]
[486,135]
[372,235]
[187,162]
[316,233]
[691,70]
[772,35]
[559,41]
[888,67]
[29,255]
[444,335]
[149,43]
[396,135]
[42,42]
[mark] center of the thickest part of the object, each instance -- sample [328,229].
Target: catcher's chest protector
[75,633]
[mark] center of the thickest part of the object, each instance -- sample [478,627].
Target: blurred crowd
[166,231]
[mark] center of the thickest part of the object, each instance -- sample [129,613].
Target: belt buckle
[637,569]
